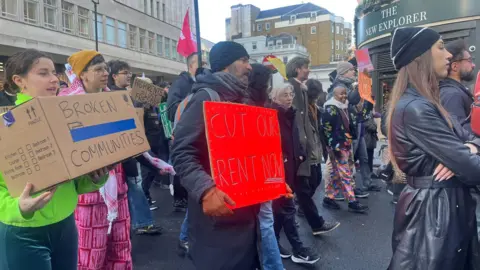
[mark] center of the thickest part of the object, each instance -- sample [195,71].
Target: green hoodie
[61,206]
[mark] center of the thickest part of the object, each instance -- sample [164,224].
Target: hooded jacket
[62,205]
[215,242]
[179,90]
[434,224]
[335,128]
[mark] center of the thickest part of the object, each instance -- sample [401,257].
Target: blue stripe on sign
[86,133]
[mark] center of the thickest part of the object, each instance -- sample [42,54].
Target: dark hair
[115,67]
[20,63]
[456,49]
[164,84]
[98,59]
[315,89]
[294,64]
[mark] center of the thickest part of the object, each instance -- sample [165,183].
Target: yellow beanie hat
[80,60]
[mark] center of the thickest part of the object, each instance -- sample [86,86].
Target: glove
[214,203]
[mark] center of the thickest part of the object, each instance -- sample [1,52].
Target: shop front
[452,19]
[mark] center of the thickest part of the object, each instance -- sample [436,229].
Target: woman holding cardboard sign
[39,232]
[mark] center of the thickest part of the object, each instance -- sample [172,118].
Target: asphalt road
[362,242]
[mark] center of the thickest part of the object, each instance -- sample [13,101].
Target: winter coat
[371,136]
[434,224]
[6,99]
[216,243]
[306,128]
[334,127]
[457,100]
[179,90]
[291,147]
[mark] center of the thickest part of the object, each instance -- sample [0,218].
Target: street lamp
[95,3]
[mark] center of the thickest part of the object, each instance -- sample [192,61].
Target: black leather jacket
[435,226]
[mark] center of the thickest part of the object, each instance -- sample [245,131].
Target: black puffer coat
[434,226]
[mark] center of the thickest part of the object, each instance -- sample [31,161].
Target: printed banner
[245,152]
[364,61]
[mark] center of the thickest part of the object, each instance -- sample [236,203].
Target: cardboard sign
[140,115]
[4,109]
[146,93]
[365,87]
[245,151]
[363,60]
[167,125]
[49,140]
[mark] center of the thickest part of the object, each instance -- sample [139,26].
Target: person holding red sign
[219,238]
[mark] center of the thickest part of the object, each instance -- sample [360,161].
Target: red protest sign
[364,62]
[245,152]
[477,87]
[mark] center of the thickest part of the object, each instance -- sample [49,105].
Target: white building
[283,46]
[143,33]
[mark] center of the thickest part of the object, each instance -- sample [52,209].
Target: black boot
[357,207]
[331,204]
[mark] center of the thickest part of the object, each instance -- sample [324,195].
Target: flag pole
[199,39]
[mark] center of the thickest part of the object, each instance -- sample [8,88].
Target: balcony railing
[286,47]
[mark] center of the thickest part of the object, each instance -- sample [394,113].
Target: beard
[467,76]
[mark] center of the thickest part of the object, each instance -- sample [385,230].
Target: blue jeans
[184,229]
[270,253]
[140,214]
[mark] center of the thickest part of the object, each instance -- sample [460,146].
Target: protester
[434,224]
[339,126]
[457,99]
[371,139]
[294,155]
[97,212]
[7,96]
[219,238]
[179,90]
[141,216]
[309,171]
[39,232]
[315,97]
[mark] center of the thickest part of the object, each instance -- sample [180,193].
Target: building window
[83,22]
[159,45]
[132,35]
[8,8]
[313,16]
[174,50]
[279,42]
[49,13]
[270,44]
[338,29]
[267,26]
[164,14]
[111,31]
[333,28]
[67,17]
[285,60]
[341,45]
[313,30]
[151,8]
[151,42]
[158,9]
[333,44]
[337,43]
[143,38]
[145,6]
[341,29]
[259,27]
[99,26]
[167,47]
[122,34]
[254,46]
[30,11]
[292,19]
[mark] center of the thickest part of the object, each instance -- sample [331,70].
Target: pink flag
[186,44]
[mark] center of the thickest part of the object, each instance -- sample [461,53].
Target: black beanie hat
[408,43]
[225,53]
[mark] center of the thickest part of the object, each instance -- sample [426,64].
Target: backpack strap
[214,96]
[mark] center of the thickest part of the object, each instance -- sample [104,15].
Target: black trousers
[179,192]
[305,188]
[370,154]
[284,217]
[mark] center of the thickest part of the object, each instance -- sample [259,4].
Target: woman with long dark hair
[38,231]
[434,226]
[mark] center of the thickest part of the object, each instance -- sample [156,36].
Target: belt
[428,182]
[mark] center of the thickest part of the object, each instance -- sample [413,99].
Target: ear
[19,81]
[83,76]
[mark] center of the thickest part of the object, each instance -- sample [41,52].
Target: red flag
[186,44]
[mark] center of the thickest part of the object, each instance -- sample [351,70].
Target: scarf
[109,191]
[347,81]
[234,84]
